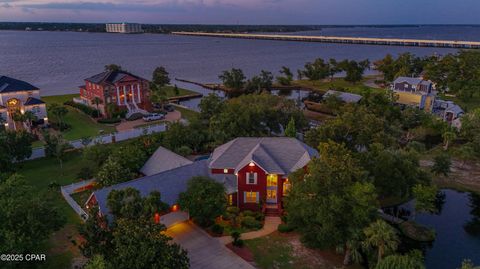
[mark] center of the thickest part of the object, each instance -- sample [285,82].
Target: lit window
[230,199]
[225,171]
[250,197]
[286,187]
[251,178]
[272,180]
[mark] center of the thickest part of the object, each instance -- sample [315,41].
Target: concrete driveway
[205,251]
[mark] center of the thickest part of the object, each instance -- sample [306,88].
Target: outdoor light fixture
[175,208]
[251,164]
[225,171]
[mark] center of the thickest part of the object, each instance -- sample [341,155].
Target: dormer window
[251,178]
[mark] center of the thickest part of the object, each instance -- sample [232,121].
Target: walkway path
[205,251]
[270,226]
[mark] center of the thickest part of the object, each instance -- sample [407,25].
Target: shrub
[259,216]
[233,210]
[236,239]
[285,228]
[92,112]
[184,151]
[135,116]
[109,121]
[251,223]
[217,229]
[248,213]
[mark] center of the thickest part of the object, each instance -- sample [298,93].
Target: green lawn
[40,173]
[187,113]
[170,91]
[336,83]
[82,125]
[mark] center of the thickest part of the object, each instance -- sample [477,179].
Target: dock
[345,40]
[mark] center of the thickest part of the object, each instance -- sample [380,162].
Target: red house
[260,167]
[119,89]
[253,170]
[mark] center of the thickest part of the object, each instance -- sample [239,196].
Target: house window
[225,171]
[230,199]
[251,178]
[272,180]
[286,187]
[251,197]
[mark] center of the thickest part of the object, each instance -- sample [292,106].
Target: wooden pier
[347,40]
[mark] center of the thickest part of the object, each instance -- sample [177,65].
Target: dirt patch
[465,175]
[243,252]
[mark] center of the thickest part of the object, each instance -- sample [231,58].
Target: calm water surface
[57,62]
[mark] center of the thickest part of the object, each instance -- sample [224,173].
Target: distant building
[449,112]
[18,96]
[119,89]
[414,92]
[124,28]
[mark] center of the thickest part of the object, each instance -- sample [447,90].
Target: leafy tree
[97,262]
[286,78]
[56,146]
[195,136]
[113,172]
[317,70]
[140,244]
[291,130]
[330,204]
[14,147]
[333,68]
[113,67]
[58,112]
[128,204]
[210,106]
[382,237]
[26,218]
[425,197]
[97,237]
[442,164]
[233,79]
[354,70]
[266,80]
[254,115]
[448,135]
[97,101]
[204,200]
[160,77]
[411,260]
[387,67]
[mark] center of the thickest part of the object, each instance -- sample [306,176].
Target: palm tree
[29,117]
[382,236]
[448,135]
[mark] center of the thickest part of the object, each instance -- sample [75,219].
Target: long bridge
[346,40]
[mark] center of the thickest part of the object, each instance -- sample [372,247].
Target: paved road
[205,251]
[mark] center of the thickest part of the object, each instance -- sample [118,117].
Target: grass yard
[170,91]
[187,113]
[284,251]
[39,174]
[336,83]
[82,125]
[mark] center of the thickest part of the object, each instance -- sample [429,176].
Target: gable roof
[344,96]
[111,77]
[412,81]
[162,160]
[169,183]
[8,84]
[276,155]
[33,101]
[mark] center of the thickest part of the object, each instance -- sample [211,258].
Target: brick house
[119,89]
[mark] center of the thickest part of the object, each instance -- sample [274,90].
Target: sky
[245,11]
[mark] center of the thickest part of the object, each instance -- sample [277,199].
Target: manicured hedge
[92,112]
[285,228]
[109,121]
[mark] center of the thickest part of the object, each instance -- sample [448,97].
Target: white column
[138,90]
[118,96]
[133,93]
[125,94]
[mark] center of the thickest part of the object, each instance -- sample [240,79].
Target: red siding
[260,187]
[220,171]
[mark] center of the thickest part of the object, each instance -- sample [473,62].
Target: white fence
[70,189]
[107,138]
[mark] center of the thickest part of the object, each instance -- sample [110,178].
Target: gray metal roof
[344,96]
[162,160]
[278,155]
[8,84]
[169,183]
[412,81]
[455,109]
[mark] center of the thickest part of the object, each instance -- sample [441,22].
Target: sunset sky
[245,11]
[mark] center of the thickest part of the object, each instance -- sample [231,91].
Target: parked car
[153,117]
[169,108]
